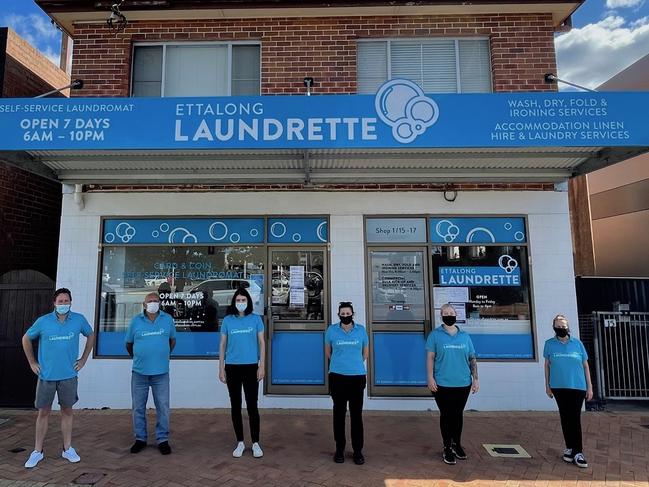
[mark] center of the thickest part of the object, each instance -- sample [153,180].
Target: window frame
[430,269]
[455,39]
[165,44]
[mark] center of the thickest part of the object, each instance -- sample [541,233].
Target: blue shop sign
[468,276]
[400,115]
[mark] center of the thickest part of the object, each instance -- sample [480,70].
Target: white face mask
[62,308]
[241,307]
[152,307]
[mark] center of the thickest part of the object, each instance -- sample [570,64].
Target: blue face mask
[62,308]
[241,307]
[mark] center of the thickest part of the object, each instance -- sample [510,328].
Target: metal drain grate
[88,478]
[506,451]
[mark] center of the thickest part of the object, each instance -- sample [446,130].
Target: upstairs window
[437,65]
[208,69]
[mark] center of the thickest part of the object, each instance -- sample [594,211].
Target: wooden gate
[24,296]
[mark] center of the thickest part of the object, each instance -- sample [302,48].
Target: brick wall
[30,205]
[30,213]
[522,48]
[27,72]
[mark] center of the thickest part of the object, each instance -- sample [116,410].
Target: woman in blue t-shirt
[242,353]
[452,373]
[346,348]
[567,379]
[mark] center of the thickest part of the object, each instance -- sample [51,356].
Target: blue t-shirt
[566,363]
[452,356]
[58,346]
[150,341]
[347,349]
[243,345]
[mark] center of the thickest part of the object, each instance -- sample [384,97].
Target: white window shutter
[371,66]
[439,66]
[475,66]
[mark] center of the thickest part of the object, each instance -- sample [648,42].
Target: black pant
[345,388]
[451,402]
[246,375]
[570,402]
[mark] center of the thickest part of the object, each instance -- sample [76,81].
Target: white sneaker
[238,451]
[257,452]
[580,460]
[568,456]
[34,458]
[71,455]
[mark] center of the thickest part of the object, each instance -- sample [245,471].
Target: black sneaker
[164,447]
[339,456]
[580,460]
[359,459]
[138,446]
[449,456]
[460,454]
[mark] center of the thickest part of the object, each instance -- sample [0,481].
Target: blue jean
[140,394]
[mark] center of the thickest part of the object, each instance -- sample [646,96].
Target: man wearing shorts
[57,367]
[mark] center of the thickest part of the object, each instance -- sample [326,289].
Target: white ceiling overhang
[320,166]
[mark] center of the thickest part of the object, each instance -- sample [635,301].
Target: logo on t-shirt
[448,345]
[243,330]
[55,338]
[347,342]
[158,332]
[566,355]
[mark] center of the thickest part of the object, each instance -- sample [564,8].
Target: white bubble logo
[278,229]
[125,231]
[182,235]
[507,263]
[321,231]
[480,230]
[218,231]
[447,230]
[402,105]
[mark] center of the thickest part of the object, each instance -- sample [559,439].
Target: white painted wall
[194,383]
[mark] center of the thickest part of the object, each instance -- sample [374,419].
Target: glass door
[297,320]
[399,320]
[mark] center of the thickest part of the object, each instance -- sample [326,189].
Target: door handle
[427,328]
[270,319]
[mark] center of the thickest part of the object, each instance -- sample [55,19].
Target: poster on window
[398,286]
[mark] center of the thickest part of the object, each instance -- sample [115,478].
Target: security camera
[116,20]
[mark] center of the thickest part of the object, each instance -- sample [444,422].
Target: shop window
[195,284]
[437,65]
[171,70]
[489,288]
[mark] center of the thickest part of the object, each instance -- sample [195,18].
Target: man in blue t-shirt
[150,339]
[57,367]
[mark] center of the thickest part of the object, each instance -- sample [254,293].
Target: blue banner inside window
[214,231]
[482,230]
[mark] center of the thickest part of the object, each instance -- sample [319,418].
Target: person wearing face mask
[567,379]
[57,368]
[150,339]
[452,373]
[346,348]
[242,354]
